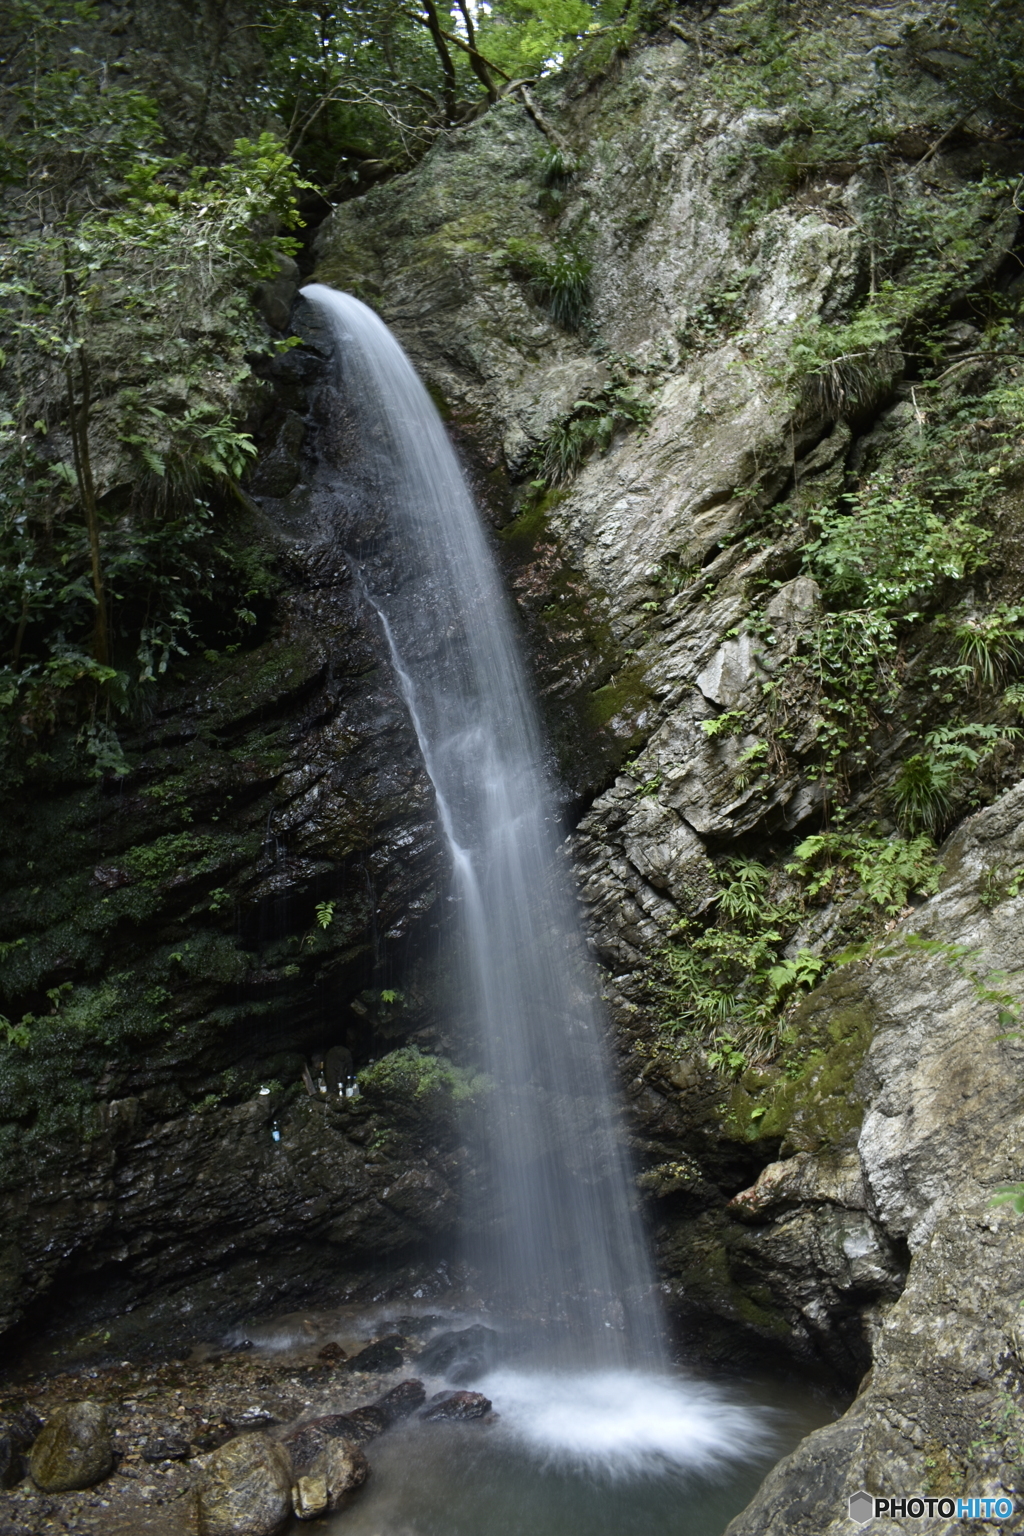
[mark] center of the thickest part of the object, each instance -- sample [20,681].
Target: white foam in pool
[625,1424]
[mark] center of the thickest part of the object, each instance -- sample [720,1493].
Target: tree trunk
[477,62]
[78,415]
[447,66]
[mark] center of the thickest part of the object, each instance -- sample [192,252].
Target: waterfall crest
[563,1239]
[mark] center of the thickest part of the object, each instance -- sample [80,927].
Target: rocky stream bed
[224,1441]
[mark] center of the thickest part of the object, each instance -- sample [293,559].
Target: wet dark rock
[245,1489]
[457,1406]
[309,1495]
[18,1430]
[73,1450]
[402,1400]
[385,1354]
[275,296]
[331,1354]
[212,1439]
[253,1418]
[306,1441]
[280,469]
[304,1445]
[340,1468]
[367,1422]
[180,1190]
[461,1355]
[12,1462]
[339,1068]
[171,1449]
[415,1327]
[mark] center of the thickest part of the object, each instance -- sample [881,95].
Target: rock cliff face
[651,464]
[158,1141]
[834,1196]
[939,1410]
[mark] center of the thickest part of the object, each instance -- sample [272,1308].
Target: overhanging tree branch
[453,37]
[476,59]
[438,34]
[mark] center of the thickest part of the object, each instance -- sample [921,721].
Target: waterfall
[563,1239]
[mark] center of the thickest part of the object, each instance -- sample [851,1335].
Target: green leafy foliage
[998,885]
[531,36]
[366,87]
[886,870]
[731,722]
[1011,1195]
[17,1034]
[883,555]
[992,644]
[125,306]
[731,981]
[928,784]
[751,764]
[415,1087]
[845,365]
[169,856]
[922,240]
[726,1053]
[986,56]
[559,165]
[888,544]
[922,792]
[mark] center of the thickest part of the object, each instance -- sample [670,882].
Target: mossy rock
[810,1101]
[74,1449]
[696,1253]
[409,1086]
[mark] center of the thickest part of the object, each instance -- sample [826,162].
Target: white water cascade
[563,1238]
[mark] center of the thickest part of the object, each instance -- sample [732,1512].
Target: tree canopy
[127,335]
[364,86]
[147,186]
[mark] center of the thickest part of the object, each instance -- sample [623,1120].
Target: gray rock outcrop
[18,1430]
[339,1469]
[943,1128]
[661,597]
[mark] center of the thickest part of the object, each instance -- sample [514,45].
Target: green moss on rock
[409,1082]
[810,1102]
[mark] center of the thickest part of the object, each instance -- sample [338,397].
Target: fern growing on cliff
[589,428]
[931,783]
[559,280]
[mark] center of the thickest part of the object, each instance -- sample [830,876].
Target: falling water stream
[561,1241]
